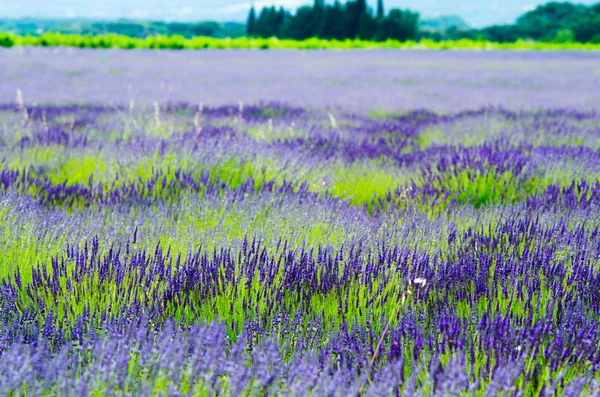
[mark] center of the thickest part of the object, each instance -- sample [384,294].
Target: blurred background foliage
[560,22]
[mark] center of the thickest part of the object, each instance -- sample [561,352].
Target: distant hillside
[131,28]
[443,23]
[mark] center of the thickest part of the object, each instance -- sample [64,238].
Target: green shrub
[6,40]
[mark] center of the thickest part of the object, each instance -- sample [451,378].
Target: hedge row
[179,42]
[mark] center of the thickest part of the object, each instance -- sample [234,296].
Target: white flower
[420,281]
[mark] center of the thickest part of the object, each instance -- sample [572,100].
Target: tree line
[553,22]
[125,27]
[354,19]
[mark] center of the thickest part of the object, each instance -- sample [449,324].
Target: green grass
[179,42]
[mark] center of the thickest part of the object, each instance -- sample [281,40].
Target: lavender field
[353,80]
[353,223]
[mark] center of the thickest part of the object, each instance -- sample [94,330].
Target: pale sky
[476,13]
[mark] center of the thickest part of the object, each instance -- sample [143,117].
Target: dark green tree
[270,22]
[400,25]
[544,22]
[380,10]
[251,22]
[333,22]
[318,17]
[588,28]
[367,28]
[500,33]
[301,26]
[354,13]
[362,6]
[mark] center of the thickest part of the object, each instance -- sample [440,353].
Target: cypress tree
[319,18]
[362,7]
[251,21]
[354,12]
[380,10]
[333,22]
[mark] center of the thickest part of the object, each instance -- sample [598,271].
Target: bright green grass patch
[383,114]
[78,170]
[359,182]
[65,165]
[489,188]
[26,157]
[179,42]
[431,137]
[468,187]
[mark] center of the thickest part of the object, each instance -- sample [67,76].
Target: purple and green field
[247,223]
